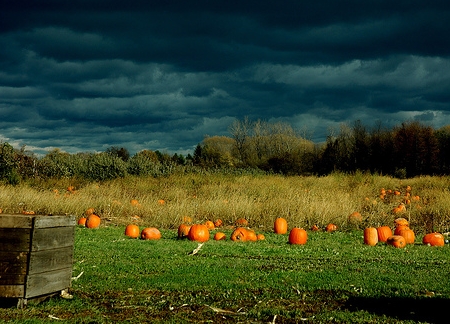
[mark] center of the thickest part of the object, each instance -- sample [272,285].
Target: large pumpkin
[434,239]
[408,234]
[383,233]
[199,233]
[183,230]
[280,226]
[132,231]
[298,236]
[92,221]
[370,236]
[150,233]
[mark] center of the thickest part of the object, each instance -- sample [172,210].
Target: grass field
[334,278]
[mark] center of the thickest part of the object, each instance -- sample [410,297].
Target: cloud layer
[88,75]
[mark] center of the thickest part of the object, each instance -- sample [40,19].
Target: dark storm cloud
[87,75]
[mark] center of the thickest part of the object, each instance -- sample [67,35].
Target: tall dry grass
[303,201]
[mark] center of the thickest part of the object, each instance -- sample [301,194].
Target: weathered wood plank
[13,262]
[13,279]
[16,221]
[48,282]
[54,221]
[49,260]
[52,238]
[15,239]
[12,291]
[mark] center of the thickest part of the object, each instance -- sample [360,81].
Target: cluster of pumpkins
[401,236]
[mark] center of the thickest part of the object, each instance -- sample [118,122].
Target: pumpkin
[241,222]
[355,218]
[398,229]
[134,202]
[315,228]
[92,221]
[242,234]
[218,223]
[132,231]
[220,236]
[260,237]
[209,224]
[280,226]
[331,228]
[370,236]
[408,234]
[150,233]
[161,202]
[183,230]
[82,221]
[434,239]
[396,241]
[383,233]
[199,233]
[187,219]
[89,211]
[401,222]
[399,209]
[298,236]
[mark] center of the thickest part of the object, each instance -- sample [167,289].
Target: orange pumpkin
[399,228]
[315,228]
[355,218]
[134,202]
[161,202]
[241,222]
[150,233]
[242,234]
[260,237]
[220,236]
[251,235]
[383,233]
[331,228]
[183,231]
[370,236]
[82,221]
[92,221]
[434,239]
[408,234]
[89,211]
[132,231]
[199,233]
[209,224]
[401,222]
[397,241]
[218,223]
[298,236]
[280,226]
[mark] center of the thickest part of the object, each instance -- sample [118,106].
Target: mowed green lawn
[334,278]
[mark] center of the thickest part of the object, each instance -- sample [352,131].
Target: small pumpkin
[132,231]
[434,239]
[401,222]
[134,202]
[383,233]
[315,228]
[209,224]
[331,227]
[370,236]
[260,237]
[150,233]
[280,226]
[92,221]
[183,231]
[218,223]
[241,222]
[396,241]
[355,218]
[298,236]
[82,221]
[408,234]
[220,236]
[199,233]
[89,211]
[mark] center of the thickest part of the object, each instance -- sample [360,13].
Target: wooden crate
[36,255]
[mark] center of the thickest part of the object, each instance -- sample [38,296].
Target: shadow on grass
[429,310]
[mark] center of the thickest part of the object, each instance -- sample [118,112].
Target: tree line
[407,150]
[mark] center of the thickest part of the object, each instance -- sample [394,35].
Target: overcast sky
[86,75]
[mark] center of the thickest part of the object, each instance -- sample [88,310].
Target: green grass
[334,278]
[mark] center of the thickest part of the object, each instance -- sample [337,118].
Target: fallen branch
[196,249]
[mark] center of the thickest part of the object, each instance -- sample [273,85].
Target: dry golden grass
[303,201]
